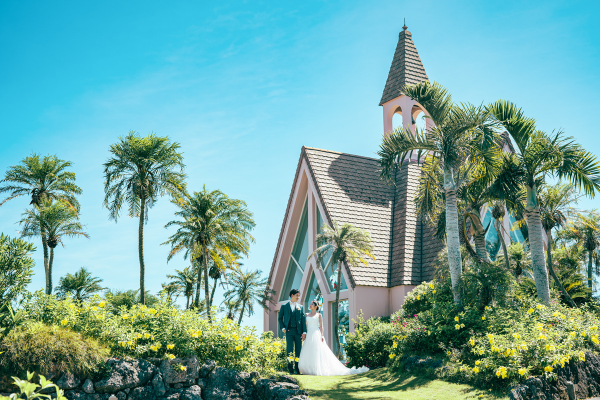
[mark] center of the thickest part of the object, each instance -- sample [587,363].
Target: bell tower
[406,68]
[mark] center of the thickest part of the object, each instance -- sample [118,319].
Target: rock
[125,375]
[142,393]
[201,383]
[178,385]
[172,375]
[127,390]
[284,378]
[207,368]
[271,390]
[172,396]
[73,395]
[254,375]
[67,381]
[158,385]
[88,386]
[191,393]
[121,395]
[224,384]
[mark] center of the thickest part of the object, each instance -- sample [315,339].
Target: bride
[316,358]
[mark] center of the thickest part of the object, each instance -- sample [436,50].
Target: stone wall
[581,379]
[178,379]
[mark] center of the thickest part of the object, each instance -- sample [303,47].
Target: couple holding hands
[315,357]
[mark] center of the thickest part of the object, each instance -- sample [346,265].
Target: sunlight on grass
[381,384]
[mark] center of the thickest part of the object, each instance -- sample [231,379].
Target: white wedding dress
[316,358]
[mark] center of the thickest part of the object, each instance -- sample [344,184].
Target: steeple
[406,68]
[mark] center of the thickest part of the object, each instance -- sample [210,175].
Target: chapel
[330,185]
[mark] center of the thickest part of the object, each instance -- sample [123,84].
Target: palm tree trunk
[590,269]
[242,312]
[503,243]
[187,302]
[141,250]
[206,293]
[46,261]
[212,294]
[336,317]
[198,283]
[50,262]
[480,247]
[554,276]
[453,243]
[538,260]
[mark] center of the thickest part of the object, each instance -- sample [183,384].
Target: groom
[293,320]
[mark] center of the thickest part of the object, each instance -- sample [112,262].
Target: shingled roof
[351,191]
[406,67]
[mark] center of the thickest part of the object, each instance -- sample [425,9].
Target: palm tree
[460,141]
[81,285]
[140,170]
[536,156]
[43,179]
[52,221]
[220,265]
[230,308]
[555,206]
[184,281]
[347,246]
[211,225]
[247,288]
[586,230]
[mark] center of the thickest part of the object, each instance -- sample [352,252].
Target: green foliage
[368,344]
[161,331]
[81,285]
[28,389]
[45,348]
[128,298]
[16,267]
[247,288]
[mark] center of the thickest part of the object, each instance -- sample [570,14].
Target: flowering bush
[495,346]
[369,343]
[161,331]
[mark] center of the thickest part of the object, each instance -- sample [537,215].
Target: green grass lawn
[381,384]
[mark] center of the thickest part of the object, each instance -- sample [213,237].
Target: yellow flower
[573,334]
[434,291]
[542,337]
[516,336]
[152,311]
[530,311]
[583,333]
[456,319]
[125,316]
[247,338]
[487,308]
[291,359]
[593,328]
[170,356]
[462,325]
[457,326]
[522,371]
[170,346]
[64,322]
[481,352]
[448,352]
[418,297]
[297,359]
[183,368]
[146,335]
[71,305]
[483,318]
[239,347]
[477,362]
[472,342]
[539,306]
[523,346]
[395,345]
[431,285]
[102,304]
[392,355]
[428,333]
[139,336]
[550,347]
[476,370]
[548,368]
[501,372]
[595,340]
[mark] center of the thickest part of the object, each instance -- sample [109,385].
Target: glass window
[331,272]
[343,327]
[314,293]
[515,232]
[298,258]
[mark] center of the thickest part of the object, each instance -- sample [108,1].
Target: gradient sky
[243,85]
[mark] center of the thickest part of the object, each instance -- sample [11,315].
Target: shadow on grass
[381,384]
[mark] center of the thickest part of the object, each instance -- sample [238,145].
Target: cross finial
[405,27]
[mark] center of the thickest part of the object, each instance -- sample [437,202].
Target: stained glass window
[298,258]
[331,272]
[313,293]
[344,324]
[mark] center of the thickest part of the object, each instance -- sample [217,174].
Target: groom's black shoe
[297,372]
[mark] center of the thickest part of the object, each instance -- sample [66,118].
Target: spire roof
[406,68]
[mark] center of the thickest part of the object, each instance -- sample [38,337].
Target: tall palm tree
[586,230]
[461,140]
[81,285]
[219,267]
[536,156]
[211,224]
[246,289]
[52,221]
[42,179]
[555,206]
[140,170]
[184,281]
[348,246]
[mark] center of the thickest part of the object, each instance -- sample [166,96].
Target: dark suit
[294,323]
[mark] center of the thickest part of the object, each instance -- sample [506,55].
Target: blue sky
[243,85]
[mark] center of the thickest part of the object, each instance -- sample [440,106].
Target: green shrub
[368,344]
[28,389]
[42,348]
[16,267]
[162,331]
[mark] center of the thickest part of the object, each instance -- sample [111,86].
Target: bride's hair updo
[316,304]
